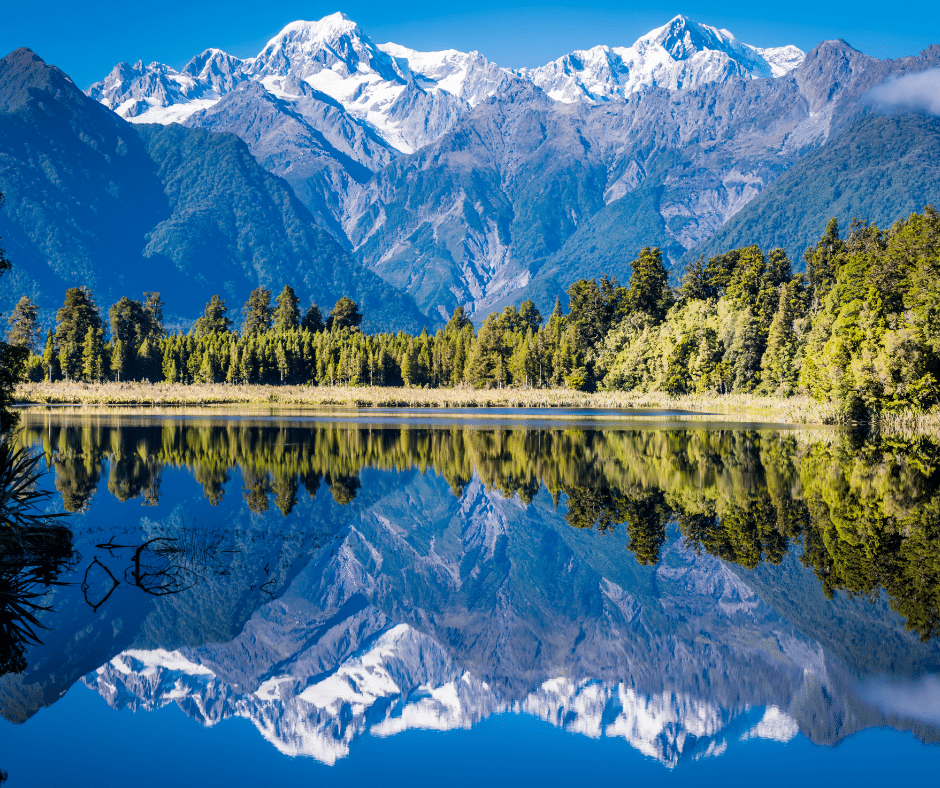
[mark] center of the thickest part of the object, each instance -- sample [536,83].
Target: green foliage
[649,290]
[313,320]
[860,334]
[861,512]
[213,320]
[24,328]
[872,347]
[258,313]
[77,317]
[345,314]
[287,313]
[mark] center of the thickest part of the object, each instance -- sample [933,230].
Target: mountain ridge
[93,200]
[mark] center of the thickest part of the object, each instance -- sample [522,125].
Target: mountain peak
[23,70]
[326,29]
[682,37]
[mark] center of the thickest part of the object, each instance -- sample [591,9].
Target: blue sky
[86,39]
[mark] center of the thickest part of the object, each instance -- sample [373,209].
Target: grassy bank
[798,410]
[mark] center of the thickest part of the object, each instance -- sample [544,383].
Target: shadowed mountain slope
[92,200]
[880,169]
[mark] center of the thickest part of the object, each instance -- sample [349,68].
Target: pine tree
[345,314]
[779,372]
[24,325]
[130,323]
[649,289]
[458,321]
[209,369]
[313,320]
[258,313]
[92,352]
[213,320]
[287,313]
[75,318]
[153,309]
[283,367]
[50,359]
[409,364]
[530,316]
[744,355]
[119,355]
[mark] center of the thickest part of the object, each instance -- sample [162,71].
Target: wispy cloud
[919,91]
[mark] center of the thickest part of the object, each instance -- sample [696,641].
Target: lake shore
[795,410]
[740,406]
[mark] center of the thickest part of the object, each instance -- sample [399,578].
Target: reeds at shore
[797,410]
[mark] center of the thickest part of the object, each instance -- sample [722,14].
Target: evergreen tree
[258,313]
[345,314]
[209,369]
[287,313]
[148,362]
[458,321]
[744,353]
[24,325]
[50,358]
[649,289]
[283,365]
[696,284]
[213,320]
[313,320]
[529,316]
[75,318]
[130,323]
[92,354]
[779,372]
[821,262]
[153,309]
[119,359]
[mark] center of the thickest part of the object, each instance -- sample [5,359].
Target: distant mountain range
[458,182]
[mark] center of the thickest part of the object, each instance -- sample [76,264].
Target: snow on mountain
[160,94]
[412,98]
[680,54]
[405,681]
[467,75]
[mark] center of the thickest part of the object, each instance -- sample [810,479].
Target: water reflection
[31,562]
[682,589]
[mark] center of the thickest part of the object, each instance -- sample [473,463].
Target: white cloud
[919,91]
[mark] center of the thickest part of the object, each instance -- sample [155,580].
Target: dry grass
[748,407]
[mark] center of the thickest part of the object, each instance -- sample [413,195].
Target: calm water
[402,599]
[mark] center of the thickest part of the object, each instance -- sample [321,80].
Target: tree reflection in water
[863,511]
[28,569]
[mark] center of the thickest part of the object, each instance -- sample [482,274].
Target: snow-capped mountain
[409,98]
[160,94]
[680,54]
[412,98]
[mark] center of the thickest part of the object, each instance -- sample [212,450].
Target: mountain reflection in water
[682,589]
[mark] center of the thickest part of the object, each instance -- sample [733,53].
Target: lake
[411,597]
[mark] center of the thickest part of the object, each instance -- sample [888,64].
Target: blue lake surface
[264,599]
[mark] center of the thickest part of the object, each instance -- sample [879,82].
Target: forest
[859,330]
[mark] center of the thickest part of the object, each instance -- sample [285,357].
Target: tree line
[858,330]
